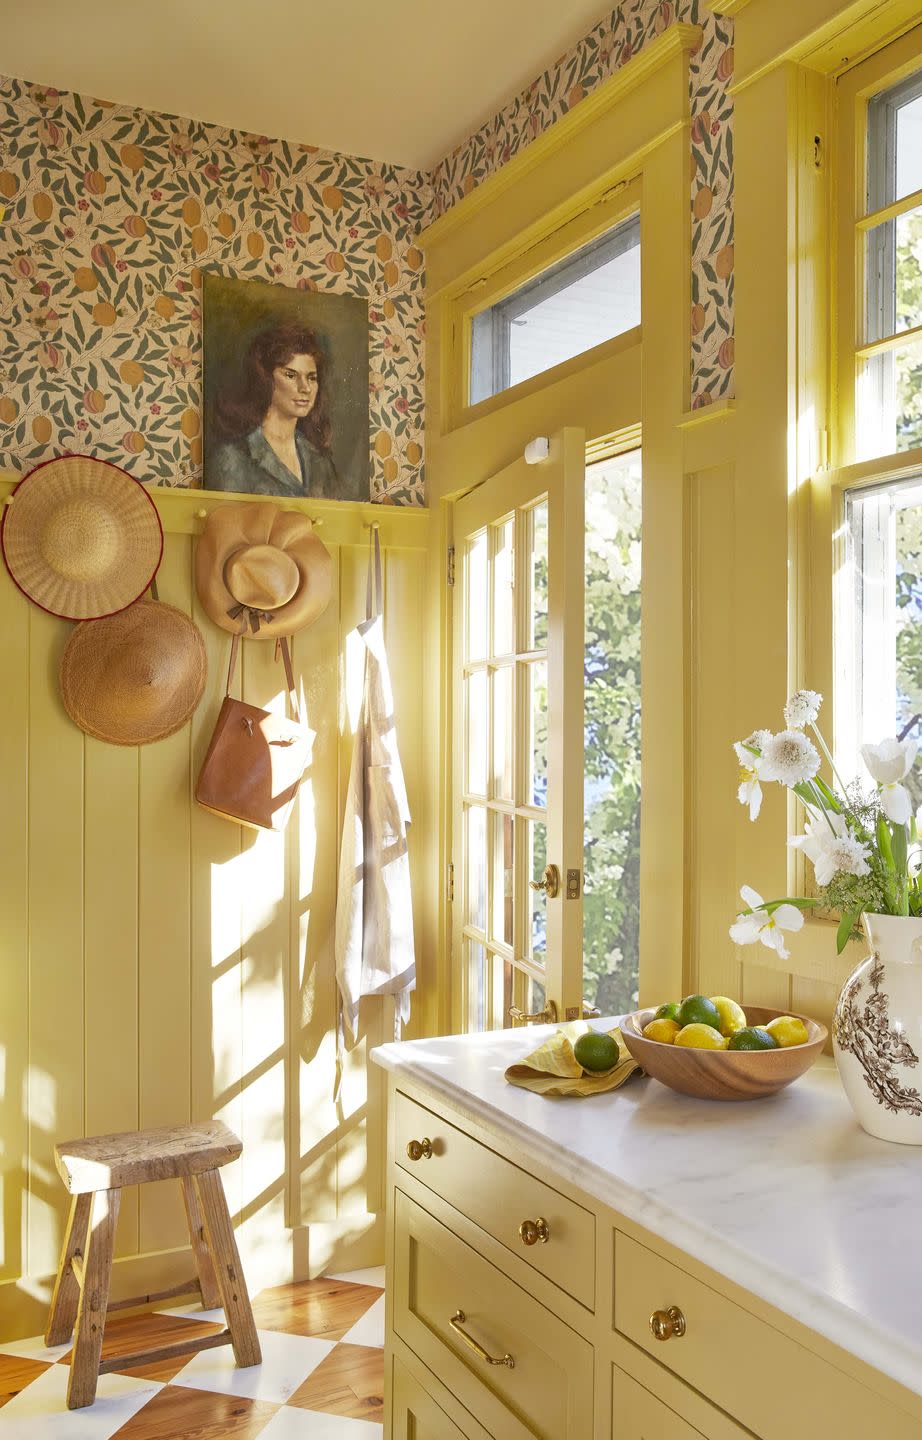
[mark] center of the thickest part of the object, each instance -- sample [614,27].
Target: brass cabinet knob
[667,1323]
[420,1149]
[532,1231]
[549,882]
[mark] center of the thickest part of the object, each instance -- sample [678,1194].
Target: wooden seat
[94,1171]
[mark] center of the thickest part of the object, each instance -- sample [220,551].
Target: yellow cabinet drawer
[764,1379]
[498,1196]
[513,1365]
[638,1415]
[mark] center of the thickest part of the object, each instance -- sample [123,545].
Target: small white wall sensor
[537,450]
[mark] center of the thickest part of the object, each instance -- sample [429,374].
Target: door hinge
[451,565]
[451,881]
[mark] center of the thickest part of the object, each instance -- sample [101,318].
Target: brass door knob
[532,1231]
[420,1149]
[667,1323]
[547,1016]
[549,882]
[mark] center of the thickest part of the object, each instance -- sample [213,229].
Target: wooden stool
[94,1172]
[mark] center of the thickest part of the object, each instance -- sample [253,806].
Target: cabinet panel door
[416,1415]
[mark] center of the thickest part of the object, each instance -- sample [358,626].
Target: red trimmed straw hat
[81,538]
[136,676]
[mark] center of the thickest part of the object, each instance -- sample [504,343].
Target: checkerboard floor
[321,1377]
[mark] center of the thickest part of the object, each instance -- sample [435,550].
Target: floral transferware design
[609,45]
[112,214]
[879,1047]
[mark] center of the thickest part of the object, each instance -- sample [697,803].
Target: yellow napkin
[553,1069]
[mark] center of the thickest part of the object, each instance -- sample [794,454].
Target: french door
[518,742]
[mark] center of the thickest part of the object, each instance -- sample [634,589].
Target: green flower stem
[832,765]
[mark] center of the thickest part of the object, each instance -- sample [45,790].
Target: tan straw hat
[136,676]
[82,538]
[261,570]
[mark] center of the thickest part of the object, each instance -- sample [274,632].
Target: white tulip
[891,760]
[762,926]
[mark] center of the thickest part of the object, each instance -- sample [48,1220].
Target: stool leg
[224,1253]
[91,1317]
[211,1295]
[66,1295]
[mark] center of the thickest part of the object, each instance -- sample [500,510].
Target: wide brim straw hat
[261,571]
[81,538]
[136,676]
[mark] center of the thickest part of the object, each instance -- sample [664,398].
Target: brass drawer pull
[456,1321]
[420,1149]
[532,1231]
[666,1323]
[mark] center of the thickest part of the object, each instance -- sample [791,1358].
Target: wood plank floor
[322,1374]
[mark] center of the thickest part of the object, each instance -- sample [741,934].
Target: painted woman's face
[294,387]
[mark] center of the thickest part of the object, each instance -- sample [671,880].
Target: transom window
[591,296]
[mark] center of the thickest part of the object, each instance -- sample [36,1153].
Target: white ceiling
[402,81]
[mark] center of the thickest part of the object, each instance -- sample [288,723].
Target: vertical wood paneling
[56,976]
[14,929]
[164,934]
[314,861]
[111,951]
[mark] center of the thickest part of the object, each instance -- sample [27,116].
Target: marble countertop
[786,1196]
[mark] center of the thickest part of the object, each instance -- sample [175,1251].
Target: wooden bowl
[724,1074]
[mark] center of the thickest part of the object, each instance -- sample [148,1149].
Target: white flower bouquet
[864,847]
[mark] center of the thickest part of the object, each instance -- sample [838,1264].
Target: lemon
[787,1030]
[732,1016]
[663,1030]
[752,1037]
[699,1010]
[596,1052]
[668,1012]
[701,1037]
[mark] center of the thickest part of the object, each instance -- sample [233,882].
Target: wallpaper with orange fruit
[609,45]
[112,214]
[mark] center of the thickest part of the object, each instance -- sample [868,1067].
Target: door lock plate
[573,884]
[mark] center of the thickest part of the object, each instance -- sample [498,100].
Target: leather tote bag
[256,759]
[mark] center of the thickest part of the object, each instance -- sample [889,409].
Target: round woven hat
[136,676]
[82,538]
[261,570]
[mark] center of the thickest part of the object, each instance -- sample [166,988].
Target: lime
[787,1030]
[752,1037]
[668,1012]
[596,1052]
[701,1037]
[699,1010]
[732,1016]
[664,1031]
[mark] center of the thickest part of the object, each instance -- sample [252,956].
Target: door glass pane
[503,877]
[506,972]
[477,867]
[503,595]
[477,980]
[536,997]
[536,832]
[477,733]
[537,711]
[611,899]
[537,609]
[476,597]
[503,717]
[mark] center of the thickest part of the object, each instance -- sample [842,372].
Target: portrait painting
[285,391]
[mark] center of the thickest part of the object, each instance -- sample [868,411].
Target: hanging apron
[374,913]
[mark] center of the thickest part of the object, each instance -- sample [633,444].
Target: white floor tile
[287,1362]
[374,1276]
[34,1349]
[370,1329]
[292,1423]
[40,1411]
[195,1312]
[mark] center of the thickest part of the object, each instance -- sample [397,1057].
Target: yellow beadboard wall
[160,964]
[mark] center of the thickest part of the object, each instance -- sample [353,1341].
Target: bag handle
[235,646]
[374,569]
[281,646]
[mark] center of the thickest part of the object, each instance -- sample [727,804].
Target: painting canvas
[286,391]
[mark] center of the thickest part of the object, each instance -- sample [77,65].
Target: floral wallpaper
[109,217]
[610,44]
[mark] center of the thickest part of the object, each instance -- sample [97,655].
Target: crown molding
[728,7]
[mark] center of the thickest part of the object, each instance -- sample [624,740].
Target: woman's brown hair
[244,407]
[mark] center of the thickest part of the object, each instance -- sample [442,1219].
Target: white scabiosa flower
[831,849]
[790,758]
[759,925]
[889,763]
[802,709]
